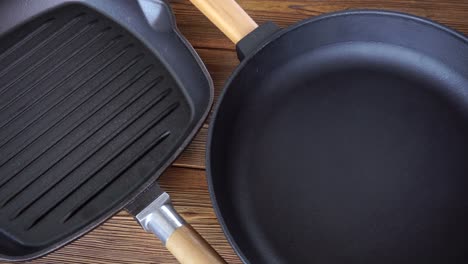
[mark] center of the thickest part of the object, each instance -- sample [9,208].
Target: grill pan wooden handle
[190,248]
[159,217]
[228,16]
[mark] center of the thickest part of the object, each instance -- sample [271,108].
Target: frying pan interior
[350,144]
[97,98]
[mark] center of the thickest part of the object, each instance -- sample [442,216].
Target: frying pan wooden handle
[228,16]
[190,248]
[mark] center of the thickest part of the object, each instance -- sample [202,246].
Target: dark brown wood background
[121,240]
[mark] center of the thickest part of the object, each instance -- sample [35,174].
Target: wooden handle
[228,16]
[190,248]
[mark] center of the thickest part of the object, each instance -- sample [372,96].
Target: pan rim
[209,174]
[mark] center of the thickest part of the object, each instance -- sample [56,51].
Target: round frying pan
[342,139]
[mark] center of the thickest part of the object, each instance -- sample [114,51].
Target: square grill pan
[97,98]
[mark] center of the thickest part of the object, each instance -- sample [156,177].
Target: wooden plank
[220,64]
[201,33]
[194,155]
[121,240]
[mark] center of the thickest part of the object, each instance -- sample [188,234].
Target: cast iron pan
[342,139]
[97,98]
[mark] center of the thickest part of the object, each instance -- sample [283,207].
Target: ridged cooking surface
[85,117]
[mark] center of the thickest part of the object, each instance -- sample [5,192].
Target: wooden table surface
[120,239]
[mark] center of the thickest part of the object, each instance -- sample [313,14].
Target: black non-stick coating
[345,140]
[95,102]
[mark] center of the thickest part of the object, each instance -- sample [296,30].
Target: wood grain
[121,240]
[201,33]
